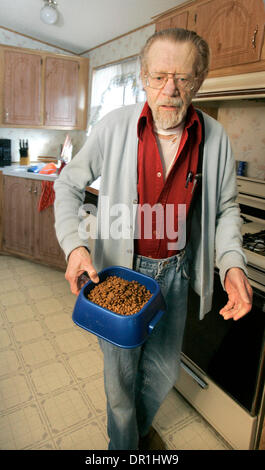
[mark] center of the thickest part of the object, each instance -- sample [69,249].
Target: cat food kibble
[120,296]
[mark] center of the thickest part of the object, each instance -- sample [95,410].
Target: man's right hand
[79,261]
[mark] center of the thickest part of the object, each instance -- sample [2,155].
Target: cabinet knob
[35,191]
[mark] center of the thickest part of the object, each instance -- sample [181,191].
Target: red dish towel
[47,195]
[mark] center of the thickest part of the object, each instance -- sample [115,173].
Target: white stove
[222,373]
[251,197]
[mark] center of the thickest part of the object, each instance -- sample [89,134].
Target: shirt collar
[146,118]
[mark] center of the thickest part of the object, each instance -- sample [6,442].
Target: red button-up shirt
[158,230]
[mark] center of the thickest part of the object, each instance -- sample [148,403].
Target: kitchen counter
[21,172]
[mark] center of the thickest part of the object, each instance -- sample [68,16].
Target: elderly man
[148,155]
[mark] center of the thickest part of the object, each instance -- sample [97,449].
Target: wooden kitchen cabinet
[47,248]
[22,88]
[177,20]
[61,92]
[42,90]
[18,220]
[27,232]
[233,29]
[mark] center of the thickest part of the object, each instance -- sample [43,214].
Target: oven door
[223,366]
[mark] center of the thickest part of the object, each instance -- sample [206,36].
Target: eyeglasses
[158,80]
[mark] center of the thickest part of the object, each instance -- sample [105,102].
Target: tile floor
[51,373]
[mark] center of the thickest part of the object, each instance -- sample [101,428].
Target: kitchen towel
[47,195]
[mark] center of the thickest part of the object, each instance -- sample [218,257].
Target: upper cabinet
[42,90]
[22,88]
[177,20]
[61,92]
[234,30]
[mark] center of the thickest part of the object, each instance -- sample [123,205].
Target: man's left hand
[239,294]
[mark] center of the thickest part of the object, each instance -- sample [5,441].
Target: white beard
[166,119]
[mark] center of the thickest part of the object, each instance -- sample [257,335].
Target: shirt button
[159,174]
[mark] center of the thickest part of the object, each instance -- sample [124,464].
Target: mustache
[177,102]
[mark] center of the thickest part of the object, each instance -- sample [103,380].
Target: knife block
[24,157]
[24,160]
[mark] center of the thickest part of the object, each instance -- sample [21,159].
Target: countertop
[21,172]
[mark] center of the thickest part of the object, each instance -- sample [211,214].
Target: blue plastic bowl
[125,331]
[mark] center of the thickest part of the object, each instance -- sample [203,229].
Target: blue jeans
[137,380]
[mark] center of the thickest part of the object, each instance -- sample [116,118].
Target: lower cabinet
[26,231]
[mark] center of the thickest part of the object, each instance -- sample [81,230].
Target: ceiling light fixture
[49,13]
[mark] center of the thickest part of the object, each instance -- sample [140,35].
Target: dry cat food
[120,296]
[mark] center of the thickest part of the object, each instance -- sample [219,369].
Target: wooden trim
[117,37]
[39,40]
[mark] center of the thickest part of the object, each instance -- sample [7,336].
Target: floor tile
[86,364]
[37,352]
[19,313]
[9,362]
[49,378]
[94,390]
[27,331]
[14,391]
[48,306]
[71,341]
[59,322]
[21,428]
[66,409]
[88,437]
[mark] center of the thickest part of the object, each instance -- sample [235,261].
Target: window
[114,86]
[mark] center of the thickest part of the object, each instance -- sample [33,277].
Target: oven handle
[189,371]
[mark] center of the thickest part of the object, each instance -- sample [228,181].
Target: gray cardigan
[111,152]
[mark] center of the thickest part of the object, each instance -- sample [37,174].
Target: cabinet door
[47,248]
[18,221]
[179,20]
[22,88]
[61,92]
[233,29]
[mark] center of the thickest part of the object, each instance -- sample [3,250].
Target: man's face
[169,104]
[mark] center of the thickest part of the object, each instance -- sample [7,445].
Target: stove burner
[255,242]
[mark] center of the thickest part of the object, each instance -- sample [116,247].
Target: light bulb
[49,14]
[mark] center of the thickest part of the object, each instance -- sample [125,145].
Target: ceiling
[82,24]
